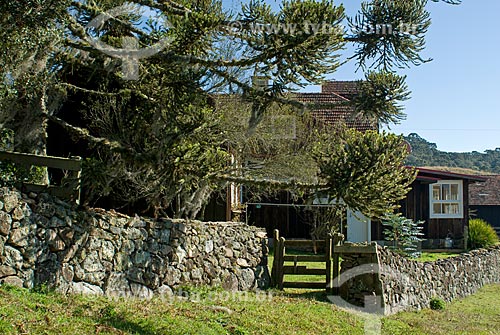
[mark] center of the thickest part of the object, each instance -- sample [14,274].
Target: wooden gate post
[281,263]
[328,256]
[274,270]
[337,241]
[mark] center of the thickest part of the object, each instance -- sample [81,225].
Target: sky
[455,98]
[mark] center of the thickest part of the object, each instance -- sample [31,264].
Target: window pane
[436,192]
[446,192]
[436,208]
[454,192]
[450,209]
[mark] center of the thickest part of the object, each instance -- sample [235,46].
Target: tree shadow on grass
[317,295]
[118,323]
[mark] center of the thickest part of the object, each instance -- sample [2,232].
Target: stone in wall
[92,251]
[410,285]
[405,285]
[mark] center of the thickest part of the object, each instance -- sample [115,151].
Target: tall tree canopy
[158,139]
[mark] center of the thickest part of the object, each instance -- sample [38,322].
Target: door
[358,227]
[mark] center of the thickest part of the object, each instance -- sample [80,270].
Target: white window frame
[459,201]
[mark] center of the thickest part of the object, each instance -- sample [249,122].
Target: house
[441,200]
[485,201]
[330,107]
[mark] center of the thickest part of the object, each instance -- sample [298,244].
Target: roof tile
[337,94]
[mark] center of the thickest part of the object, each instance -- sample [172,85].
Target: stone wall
[364,281]
[47,241]
[406,285]
[410,285]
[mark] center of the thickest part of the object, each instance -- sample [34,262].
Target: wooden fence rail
[69,188]
[279,269]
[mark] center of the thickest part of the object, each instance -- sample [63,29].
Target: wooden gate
[69,190]
[279,269]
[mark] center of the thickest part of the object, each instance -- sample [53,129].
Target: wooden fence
[334,249]
[279,269]
[71,183]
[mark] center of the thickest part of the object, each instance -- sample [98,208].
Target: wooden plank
[336,272]
[281,262]
[328,270]
[355,249]
[302,270]
[274,270]
[302,243]
[304,258]
[313,285]
[71,164]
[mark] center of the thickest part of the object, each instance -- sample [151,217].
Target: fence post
[281,263]
[328,252]
[337,240]
[274,270]
[77,183]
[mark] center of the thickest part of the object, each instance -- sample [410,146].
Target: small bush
[481,234]
[437,304]
[404,234]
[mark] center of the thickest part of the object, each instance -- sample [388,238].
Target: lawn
[213,311]
[434,256]
[217,312]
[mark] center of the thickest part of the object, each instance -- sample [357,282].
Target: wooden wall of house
[440,228]
[416,207]
[490,214]
[287,220]
[290,221]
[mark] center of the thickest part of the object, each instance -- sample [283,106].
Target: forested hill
[426,154]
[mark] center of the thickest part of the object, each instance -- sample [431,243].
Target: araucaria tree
[158,139]
[365,170]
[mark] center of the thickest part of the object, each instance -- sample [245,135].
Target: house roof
[425,174]
[487,193]
[347,89]
[332,107]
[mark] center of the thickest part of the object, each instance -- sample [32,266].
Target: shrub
[437,304]
[481,234]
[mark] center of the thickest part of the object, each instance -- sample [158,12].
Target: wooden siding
[490,214]
[416,206]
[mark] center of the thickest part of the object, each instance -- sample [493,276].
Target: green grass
[26,312]
[477,314]
[300,278]
[425,257]
[434,256]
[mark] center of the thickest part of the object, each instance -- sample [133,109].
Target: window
[446,199]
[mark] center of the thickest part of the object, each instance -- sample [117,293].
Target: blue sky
[455,98]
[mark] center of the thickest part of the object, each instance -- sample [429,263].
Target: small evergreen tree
[404,234]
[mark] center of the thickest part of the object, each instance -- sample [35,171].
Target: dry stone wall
[360,275]
[410,285]
[401,284]
[46,241]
